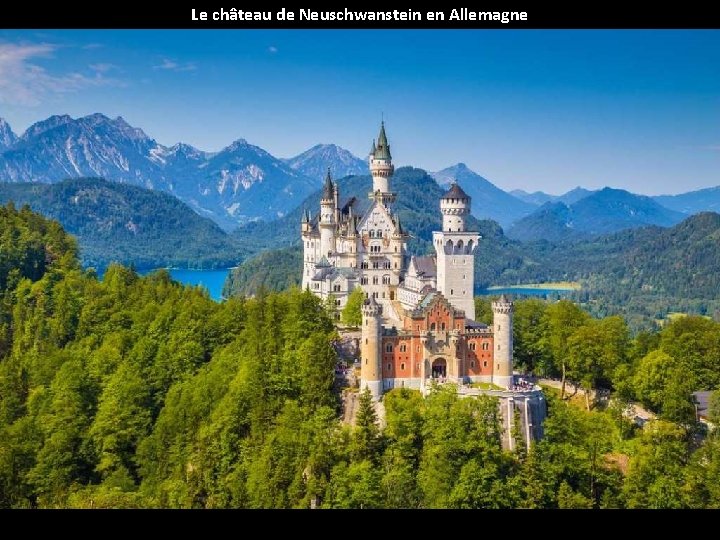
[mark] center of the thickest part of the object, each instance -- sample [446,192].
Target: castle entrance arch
[439,369]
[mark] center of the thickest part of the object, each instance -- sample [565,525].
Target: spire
[383,148]
[306,217]
[329,189]
[373,149]
[398,225]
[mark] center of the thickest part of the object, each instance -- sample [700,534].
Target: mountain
[574,196]
[706,200]
[238,184]
[243,183]
[128,224]
[603,212]
[7,137]
[314,163]
[488,201]
[538,198]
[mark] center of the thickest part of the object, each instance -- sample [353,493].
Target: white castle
[418,324]
[344,250]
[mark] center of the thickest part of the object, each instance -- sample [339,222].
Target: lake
[212,280]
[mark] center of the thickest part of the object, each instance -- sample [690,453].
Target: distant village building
[418,322]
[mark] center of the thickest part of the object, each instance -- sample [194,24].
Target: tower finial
[329,188]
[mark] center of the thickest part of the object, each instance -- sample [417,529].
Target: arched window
[375,280]
[389,348]
[449,245]
[472,364]
[389,367]
[472,346]
[471,246]
[386,280]
[432,327]
[372,234]
[485,347]
[402,367]
[460,245]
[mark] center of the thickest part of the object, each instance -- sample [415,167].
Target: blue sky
[536,110]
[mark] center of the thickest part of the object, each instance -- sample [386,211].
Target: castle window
[485,346]
[472,346]
[402,367]
[403,348]
[386,280]
[389,348]
[389,367]
[443,327]
[432,327]
[372,234]
[366,361]
[485,364]
[472,364]
[375,280]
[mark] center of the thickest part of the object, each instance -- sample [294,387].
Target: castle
[418,318]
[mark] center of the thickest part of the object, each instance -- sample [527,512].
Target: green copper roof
[383,148]
[373,149]
[329,189]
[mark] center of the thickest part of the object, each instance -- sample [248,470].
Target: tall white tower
[382,169]
[503,311]
[455,249]
[328,215]
[370,349]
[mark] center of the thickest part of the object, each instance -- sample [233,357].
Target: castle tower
[328,215]
[503,311]
[455,249]
[370,349]
[382,169]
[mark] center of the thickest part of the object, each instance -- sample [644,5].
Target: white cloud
[172,65]
[102,68]
[23,82]
[273,50]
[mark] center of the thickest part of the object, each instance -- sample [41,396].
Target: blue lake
[521,291]
[212,280]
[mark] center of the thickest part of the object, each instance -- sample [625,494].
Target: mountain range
[243,183]
[240,183]
[603,212]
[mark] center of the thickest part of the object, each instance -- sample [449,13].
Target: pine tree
[366,441]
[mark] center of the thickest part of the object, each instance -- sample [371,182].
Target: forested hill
[128,224]
[137,392]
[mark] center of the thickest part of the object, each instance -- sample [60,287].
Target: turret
[503,311]
[371,348]
[455,207]
[328,215]
[382,169]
